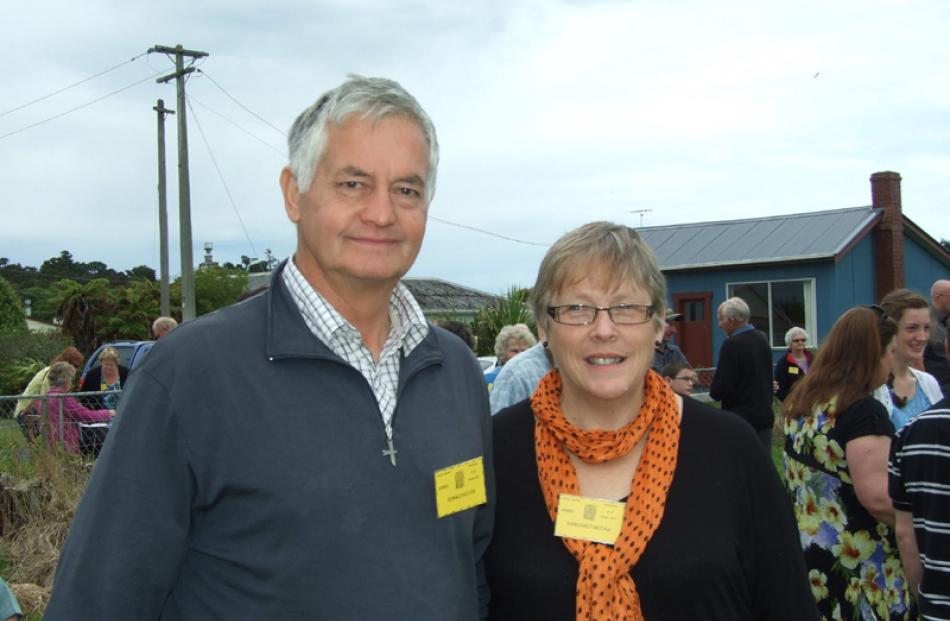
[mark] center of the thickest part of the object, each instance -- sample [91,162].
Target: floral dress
[854,567]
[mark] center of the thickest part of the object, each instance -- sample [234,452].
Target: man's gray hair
[616,249]
[735,308]
[791,334]
[61,374]
[164,323]
[373,98]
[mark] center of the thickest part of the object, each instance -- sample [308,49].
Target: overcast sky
[550,114]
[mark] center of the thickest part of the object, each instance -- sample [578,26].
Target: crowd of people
[75,424]
[336,456]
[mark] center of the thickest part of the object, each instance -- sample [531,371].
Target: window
[778,305]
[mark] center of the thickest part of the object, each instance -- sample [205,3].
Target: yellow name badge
[793,370]
[460,487]
[590,519]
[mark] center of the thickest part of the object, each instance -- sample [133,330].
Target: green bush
[12,318]
[20,352]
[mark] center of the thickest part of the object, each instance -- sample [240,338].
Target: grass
[39,491]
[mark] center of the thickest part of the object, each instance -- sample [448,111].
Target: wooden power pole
[162,210]
[184,189]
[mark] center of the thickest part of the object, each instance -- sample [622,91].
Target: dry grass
[39,492]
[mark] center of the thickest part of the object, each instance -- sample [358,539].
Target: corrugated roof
[795,237]
[435,295]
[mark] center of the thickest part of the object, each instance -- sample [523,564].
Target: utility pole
[162,209]
[184,189]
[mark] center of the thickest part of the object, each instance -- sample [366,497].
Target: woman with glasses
[681,377]
[908,390]
[616,498]
[795,364]
[837,438]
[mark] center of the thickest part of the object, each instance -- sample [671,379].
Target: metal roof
[774,239]
[435,295]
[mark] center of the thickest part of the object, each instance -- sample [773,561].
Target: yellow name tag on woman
[591,519]
[793,370]
[460,487]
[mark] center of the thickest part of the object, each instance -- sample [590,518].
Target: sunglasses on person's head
[881,313]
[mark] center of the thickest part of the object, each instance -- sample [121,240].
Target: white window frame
[808,295]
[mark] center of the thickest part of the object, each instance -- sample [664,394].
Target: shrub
[12,318]
[19,353]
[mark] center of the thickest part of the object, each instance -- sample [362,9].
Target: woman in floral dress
[837,438]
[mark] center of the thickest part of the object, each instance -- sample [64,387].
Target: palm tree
[508,309]
[82,308]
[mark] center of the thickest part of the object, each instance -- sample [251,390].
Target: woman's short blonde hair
[109,353]
[599,247]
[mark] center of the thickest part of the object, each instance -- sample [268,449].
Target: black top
[743,379]
[727,547]
[93,382]
[787,372]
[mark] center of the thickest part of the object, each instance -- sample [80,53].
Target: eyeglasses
[692,379]
[582,314]
[799,340]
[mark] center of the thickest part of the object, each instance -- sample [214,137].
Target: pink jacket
[73,414]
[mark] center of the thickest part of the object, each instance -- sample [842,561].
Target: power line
[248,132]
[220,175]
[74,84]
[79,107]
[243,107]
[484,232]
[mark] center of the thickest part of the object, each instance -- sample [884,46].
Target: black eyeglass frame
[690,379]
[554,312]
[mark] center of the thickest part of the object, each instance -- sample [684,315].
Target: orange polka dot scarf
[605,589]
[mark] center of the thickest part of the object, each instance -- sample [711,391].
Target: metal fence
[62,421]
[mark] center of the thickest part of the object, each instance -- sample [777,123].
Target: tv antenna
[641,212]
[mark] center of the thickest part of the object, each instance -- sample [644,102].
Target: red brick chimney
[888,236]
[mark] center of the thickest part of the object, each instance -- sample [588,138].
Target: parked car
[488,363]
[130,354]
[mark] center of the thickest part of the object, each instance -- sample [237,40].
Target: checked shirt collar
[408,329]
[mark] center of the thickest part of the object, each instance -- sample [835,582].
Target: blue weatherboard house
[797,270]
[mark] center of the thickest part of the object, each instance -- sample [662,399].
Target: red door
[694,331]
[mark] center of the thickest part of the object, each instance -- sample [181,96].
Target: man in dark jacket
[743,379]
[316,451]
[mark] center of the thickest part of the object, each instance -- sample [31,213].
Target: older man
[743,379]
[162,326]
[315,452]
[935,358]
[665,350]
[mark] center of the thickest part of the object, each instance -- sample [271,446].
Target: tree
[83,307]
[134,307]
[12,318]
[40,298]
[217,287]
[141,272]
[508,309]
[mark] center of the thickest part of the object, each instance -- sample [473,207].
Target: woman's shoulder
[513,421]
[865,417]
[929,384]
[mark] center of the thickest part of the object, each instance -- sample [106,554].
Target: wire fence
[76,422]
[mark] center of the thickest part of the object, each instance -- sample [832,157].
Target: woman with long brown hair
[837,438]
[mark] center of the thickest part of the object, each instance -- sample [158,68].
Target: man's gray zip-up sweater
[244,478]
